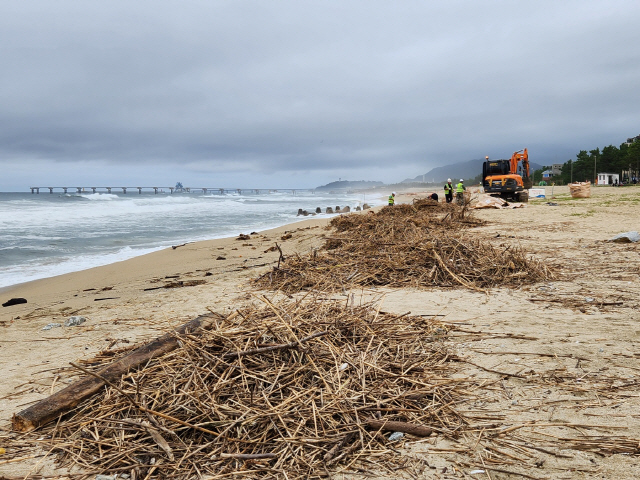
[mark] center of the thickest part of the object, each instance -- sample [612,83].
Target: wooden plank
[64,400]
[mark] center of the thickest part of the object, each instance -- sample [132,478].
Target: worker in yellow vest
[392,199]
[448,191]
[460,192]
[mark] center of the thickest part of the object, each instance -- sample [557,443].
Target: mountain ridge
[467,170]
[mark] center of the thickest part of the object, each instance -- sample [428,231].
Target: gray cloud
[298,91]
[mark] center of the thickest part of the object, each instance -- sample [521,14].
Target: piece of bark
[330,455]
[14,301]
[391,426]
[64,400]
[181,245]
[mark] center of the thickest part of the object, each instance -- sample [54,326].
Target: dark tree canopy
[624,160]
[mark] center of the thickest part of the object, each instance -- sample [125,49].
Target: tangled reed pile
[287,391]
[425,244]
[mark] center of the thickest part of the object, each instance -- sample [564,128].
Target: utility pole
[571,171]
[595,159]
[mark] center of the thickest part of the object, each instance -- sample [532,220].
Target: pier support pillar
[155,190]
[139,190]
[78,189]
[50,189]
[204,191]
[171,188]
[124,189]
[64,189]
[109,189]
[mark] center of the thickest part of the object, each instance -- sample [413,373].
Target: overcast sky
[297,93]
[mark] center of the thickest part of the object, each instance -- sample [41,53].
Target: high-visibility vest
[391,199]
[448,188]
[460,187]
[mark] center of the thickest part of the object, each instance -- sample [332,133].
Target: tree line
[623,160]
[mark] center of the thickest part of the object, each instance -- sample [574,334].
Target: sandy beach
[559,358]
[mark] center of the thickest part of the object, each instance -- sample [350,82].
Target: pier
[170,190]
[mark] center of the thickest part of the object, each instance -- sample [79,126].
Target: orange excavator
[502,178]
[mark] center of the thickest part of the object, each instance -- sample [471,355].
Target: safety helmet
[448,180]
[393,193]
[461,180]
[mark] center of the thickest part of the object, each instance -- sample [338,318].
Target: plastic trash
[49,326]
[74,321]
[627,237]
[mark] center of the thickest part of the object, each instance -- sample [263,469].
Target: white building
[632,140]
[608,178]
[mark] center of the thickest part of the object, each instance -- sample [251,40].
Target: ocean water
[43,235]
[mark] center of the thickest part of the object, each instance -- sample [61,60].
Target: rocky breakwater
[338,209]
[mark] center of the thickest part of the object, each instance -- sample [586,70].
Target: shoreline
[151,262]
[153,250]
[150,250]
[156,262]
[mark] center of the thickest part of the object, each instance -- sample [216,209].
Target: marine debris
[422,245]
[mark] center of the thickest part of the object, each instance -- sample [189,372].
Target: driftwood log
[391,426]
[64,400]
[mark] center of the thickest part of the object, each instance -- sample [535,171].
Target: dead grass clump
[294,389]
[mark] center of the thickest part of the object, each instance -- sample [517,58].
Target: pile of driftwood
[312,388]
[290,391]
[425,244]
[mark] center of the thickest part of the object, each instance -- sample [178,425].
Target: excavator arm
[522,156]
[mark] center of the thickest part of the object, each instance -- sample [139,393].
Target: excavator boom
[522,156]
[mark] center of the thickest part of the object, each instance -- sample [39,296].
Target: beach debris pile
[420,245]
[290,387]
[313,388]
